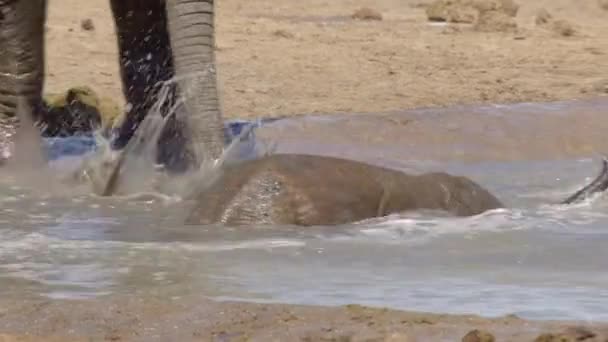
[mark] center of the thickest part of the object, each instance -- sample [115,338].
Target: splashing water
[134,170]
[26,161]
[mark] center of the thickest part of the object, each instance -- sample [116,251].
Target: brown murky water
[525,131]
[536,259]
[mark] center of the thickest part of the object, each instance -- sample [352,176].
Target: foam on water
[417,261]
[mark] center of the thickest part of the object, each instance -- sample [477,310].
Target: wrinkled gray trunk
[21,55]
[192,35]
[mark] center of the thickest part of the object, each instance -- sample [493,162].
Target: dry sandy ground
[285,57]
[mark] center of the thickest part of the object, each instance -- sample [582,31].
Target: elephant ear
[192,36]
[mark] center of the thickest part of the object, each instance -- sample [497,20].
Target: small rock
[283,34]
[495,21]
[550,338]
[461,15]
[594,50]
[579,333]
[508,7]
[366,13]
[453,11]
[570,334]
[513,316]
[543,17]
[436,11]
[563,28]
[87,25]
[478,336]
[603,4]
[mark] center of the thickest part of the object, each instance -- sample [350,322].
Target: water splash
[28,153]
[134,171]
[26,162]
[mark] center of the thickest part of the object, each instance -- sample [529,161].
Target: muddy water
[535,259]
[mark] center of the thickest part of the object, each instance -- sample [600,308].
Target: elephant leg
[146,62]
[21,57]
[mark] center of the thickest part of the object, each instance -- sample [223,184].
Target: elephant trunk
[192,35]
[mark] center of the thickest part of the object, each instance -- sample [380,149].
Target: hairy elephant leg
[145,63]
[21,56]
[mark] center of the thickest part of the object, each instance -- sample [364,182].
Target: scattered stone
[603,4]
[594,50]
[520,36]
[488,15]
[570,334]
[513,316]
[550,338]
[563,28]
[496,15]
[508,7]
[478,336]
[543,17]
[579,333]
[87,25]
[495,21]
[366,13]
[437,11]
[462,15]
[452,11]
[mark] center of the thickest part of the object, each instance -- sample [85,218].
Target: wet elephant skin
[309,190]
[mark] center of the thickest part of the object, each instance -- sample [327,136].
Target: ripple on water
[534,259]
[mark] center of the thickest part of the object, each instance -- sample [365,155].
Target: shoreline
[130,318]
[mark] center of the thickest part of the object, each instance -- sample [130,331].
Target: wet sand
[286,57]
[150,318]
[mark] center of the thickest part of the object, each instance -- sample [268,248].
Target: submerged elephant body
[315,190]
[307,190]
